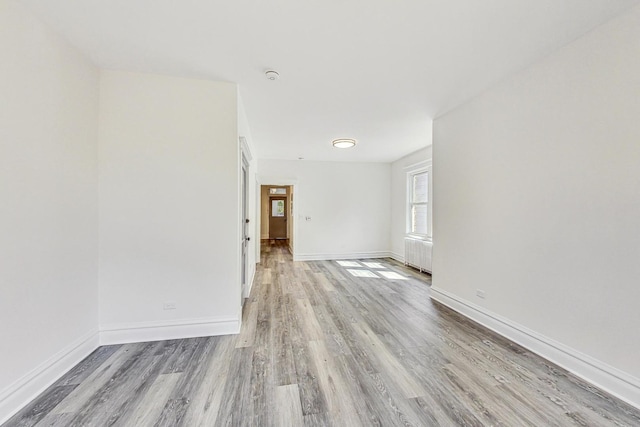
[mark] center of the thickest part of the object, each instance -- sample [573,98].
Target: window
[419,203]
[277,207]
[418,200]
[278,191]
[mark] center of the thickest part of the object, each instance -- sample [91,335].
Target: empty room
[336,213]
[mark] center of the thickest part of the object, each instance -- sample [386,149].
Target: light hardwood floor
[318,347]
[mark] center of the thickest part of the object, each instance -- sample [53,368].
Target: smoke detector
[272,75]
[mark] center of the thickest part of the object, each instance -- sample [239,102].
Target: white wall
[348,204]
[399,202]
[49,214]
[169,207]
[537,199]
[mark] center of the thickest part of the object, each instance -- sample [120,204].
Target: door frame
[244,233]
[244,212]
[294,216]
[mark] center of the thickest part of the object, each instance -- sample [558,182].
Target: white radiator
[417,253]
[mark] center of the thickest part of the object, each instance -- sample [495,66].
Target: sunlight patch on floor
[373,265]
[349,264]
[392,275]
[362,273]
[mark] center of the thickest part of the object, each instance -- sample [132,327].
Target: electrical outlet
[480,293]
[169,306]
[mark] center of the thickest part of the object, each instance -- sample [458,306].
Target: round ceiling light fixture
[272,74]
[344,143]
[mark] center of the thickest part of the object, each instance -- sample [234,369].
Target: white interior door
[245,227]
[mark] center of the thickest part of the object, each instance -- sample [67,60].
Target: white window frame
[411,171]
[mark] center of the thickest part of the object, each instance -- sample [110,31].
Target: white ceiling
[375,70]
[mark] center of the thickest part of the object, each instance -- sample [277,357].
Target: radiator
[417,253]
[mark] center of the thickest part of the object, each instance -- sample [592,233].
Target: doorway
[277,215]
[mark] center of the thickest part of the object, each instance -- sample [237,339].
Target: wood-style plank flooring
[321,346]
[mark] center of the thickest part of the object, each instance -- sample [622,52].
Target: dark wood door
[277,218]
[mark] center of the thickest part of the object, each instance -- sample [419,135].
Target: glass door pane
[277,208]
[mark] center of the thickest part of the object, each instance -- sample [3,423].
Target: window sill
[418,237]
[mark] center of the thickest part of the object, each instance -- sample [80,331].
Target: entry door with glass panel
[277,218]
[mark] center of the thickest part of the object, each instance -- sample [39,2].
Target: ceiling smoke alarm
[272,75]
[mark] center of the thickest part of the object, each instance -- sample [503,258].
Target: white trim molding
[124,333]
[612,380]
[20,393]
[244,147]
[354,255]
[422,164]
[398,257]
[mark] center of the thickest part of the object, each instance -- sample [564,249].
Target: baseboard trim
[612,380]
[396,256]
[333,256]
[19,394]
[168,330]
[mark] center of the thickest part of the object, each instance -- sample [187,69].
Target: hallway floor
[343,343]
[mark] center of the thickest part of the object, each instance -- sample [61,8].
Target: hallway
[342,343]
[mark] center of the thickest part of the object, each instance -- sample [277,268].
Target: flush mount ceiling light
[272,75]
[344,143]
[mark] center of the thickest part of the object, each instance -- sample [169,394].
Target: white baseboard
[168,330]
[353,255]
[17,395]
[398,257]
[612,380]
